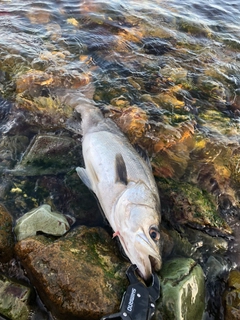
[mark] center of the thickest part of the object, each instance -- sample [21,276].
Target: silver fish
[124,185]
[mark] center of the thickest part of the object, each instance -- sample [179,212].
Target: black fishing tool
[138,302]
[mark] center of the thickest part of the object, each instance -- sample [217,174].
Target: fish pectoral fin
[121,170]
[82,173]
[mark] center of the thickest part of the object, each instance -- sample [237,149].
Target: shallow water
[171,69]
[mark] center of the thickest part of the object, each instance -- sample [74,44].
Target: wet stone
[182,288]
[77,276]
[6,235]
[156,46]
[168,100]
[133,122]
[5,106]
[177,75]
[41,219]
[14,299]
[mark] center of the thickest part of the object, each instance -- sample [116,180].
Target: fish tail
[90,114]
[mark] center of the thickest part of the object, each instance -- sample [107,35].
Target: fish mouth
[154,260]
[155,263]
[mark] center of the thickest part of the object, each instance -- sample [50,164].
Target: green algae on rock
[231,297]
[76,276]
[14,299]
[183,290]
[190,205]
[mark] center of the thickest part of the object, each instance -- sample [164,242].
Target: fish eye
[154,233]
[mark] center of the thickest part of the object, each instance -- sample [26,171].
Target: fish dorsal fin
[121,170]
[143,153]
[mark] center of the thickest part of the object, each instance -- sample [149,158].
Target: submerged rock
[133,122]
[195,243]
[14,299]
[41,219]
[172,148]
[6,235]
[11,149]
[78,276]
[188,204]
[216,271]
[48,154]
[156,46]
[182,290]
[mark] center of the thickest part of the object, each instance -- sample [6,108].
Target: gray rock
[182,290]
[14,299]
[41,219]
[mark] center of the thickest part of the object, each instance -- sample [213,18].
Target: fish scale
[104,150]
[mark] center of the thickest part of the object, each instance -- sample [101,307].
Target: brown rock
[6,235]
[133,122]
[77,276]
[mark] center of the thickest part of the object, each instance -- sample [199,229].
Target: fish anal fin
[82,173]
[121,170]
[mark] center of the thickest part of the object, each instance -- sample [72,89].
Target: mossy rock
[78,276]
[185,203]
[231,297]
[14,299]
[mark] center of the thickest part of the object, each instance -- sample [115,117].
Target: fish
[124,185]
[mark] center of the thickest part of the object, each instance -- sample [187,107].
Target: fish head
[139,236]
